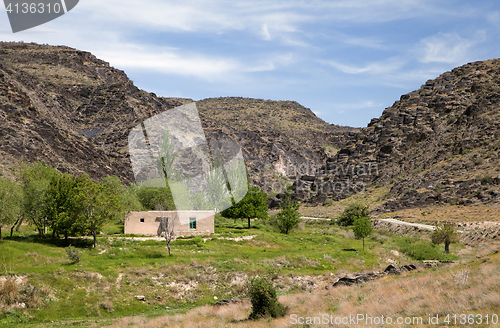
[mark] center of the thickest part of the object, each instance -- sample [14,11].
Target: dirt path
[418,225]
[309,218]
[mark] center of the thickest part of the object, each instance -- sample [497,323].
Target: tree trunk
[447,248]
[1,234]
[95,238]
[168,246]
[12,229]
[363,244]
[248,223]
[19,224]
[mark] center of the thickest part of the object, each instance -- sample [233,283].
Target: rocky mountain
[439,144]
[73,111]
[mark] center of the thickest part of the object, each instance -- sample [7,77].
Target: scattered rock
[364,276]
[231,301]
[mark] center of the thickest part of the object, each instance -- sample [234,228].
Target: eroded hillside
[439,144]
[73,111]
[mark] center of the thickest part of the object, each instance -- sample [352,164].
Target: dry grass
[460,288]
[373,196]
[453,213]
[9,291]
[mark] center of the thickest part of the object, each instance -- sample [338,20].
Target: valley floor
[46,290]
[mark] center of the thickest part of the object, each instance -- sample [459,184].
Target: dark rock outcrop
[436,145]
[365,276]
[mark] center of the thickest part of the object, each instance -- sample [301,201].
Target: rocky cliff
[73,111]
[439,144]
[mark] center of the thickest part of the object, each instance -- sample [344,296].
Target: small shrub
[73,255]
[486,179]
[107,305]
[477,160]
[9,292]
[288,217]
[328,202]
[263,298]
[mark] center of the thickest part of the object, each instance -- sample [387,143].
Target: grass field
[39,287]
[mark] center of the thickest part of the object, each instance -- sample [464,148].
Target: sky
[346,60]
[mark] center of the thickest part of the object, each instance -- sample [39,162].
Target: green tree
[446,234]
[253,205]
[362,228]
[263,297]
[288,217]
[10,201]
[352,212]
[150,197]
[62,208]
[34,180]
[97,204]
[126,196]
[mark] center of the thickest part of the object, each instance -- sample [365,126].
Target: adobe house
[187,223]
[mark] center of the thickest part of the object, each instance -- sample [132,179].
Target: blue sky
[346,60]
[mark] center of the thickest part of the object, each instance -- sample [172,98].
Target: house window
[192,223]
[142,219]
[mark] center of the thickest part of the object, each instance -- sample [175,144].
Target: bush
[9,291]
[328,202]
[264,300]
[73,255]
[288,217]
[486,179]
[352,212]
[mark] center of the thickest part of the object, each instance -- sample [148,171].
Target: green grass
[419,249]
[103,285]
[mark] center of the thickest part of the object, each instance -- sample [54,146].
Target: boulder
[357,278]
[392,269]
[274,202]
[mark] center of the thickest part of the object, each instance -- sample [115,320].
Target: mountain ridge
[73,111]
[435,145]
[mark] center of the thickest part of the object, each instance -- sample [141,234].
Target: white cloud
[265,32]
[448,48]
[384,67]
[172,62]
[356,105]
[353,40]
[494,18]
